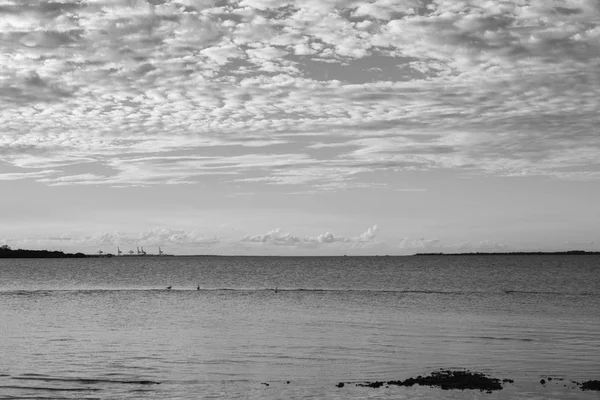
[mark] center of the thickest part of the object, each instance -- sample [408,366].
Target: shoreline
[7,252]
[517,253]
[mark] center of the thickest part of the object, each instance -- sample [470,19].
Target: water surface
[108,328]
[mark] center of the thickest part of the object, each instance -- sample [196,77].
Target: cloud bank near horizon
[280,238]
[318,93]
[161,236]
[196,242]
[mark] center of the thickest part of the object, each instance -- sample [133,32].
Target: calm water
[96,328]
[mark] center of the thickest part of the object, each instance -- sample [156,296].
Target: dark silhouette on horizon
[516,253]
[7,252]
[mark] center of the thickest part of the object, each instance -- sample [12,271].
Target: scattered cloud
[13,176]
[188,240]
[492,87]
[158,236]
[280,238]
[163,236]
[368,235]
[422,245]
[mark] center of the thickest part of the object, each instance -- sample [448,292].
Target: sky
[306,127]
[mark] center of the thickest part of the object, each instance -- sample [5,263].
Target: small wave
[27,292]
[241,290]
[502,338]
[549,293]
[45,398]
[292,290]
[53,389]
[531,292]
[86,380]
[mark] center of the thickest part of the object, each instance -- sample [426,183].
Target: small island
[7,252]
[517,253]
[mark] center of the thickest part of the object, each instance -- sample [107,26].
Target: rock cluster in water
[589,385]
[586,385]
[446,380]
[465,380]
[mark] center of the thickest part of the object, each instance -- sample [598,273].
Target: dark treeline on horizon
[519,253]
[7,252]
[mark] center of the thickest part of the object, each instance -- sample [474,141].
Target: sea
[295,327]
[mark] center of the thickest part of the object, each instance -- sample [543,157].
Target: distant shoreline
[7,252]
[517,253]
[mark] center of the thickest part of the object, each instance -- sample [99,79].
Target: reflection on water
[108,328]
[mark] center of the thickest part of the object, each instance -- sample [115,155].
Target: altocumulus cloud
[280,238]
[495,87]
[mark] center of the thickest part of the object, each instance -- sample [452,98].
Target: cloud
[158,236]
[11,176]
[423,245]
[502,88]
[487,245]
[280,238]
[163,236]
[369,235]
[276,236]
[420,243]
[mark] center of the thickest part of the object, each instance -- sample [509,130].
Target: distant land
[517,253]
[7,252]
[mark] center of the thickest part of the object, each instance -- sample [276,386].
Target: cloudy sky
[300,127]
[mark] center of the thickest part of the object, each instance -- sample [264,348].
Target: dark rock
[542,381]
[447,380]
[340,385]
[549,378]
[266,384]
[508,380]
[375,384]
[590,385]
[287,382]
